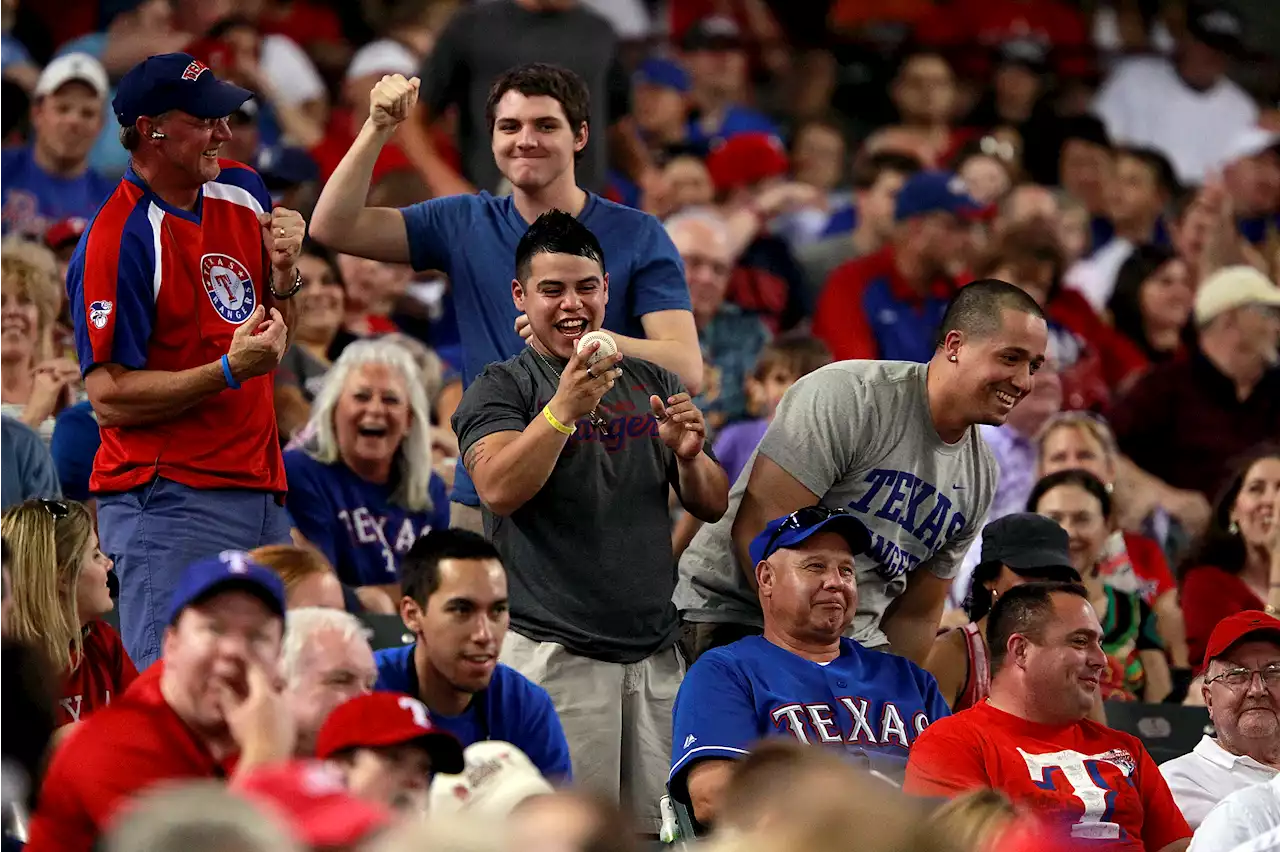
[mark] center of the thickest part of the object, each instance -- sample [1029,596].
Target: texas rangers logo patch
[99,312]
[194,70]
[230,287]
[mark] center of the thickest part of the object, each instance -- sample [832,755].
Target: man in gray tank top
[893,442]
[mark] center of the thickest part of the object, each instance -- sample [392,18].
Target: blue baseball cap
[936,191]
[178,81]
[665,73]
[230,569]
[793,529]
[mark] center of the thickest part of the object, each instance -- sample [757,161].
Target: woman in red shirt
[1238,567]
[60,593]
[1151,305]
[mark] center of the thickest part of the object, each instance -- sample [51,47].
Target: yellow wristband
[556,424]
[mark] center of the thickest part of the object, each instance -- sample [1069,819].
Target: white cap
[1250,142]
[1233,287]
[498,777]
[78,67]
[383,57]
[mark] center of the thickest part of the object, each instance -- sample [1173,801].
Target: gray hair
[200,816]
[708,216]
[413,457]
[300,625]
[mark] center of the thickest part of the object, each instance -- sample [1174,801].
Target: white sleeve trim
[727,752]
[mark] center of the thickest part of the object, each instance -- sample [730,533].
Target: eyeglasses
[56,508]
[800,519]
[1238,677]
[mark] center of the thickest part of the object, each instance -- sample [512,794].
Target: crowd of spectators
[438,557]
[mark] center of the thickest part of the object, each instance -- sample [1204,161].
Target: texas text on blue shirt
[512,709]
[869,703]
[353,522]
[33,199]
[473,239]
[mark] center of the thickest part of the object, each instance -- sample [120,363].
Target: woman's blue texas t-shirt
[353,522]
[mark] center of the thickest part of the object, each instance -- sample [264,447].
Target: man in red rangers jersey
[1032,741]
[178,290]
[212,709]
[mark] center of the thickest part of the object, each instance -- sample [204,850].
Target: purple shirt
[736,443]
[1016,463]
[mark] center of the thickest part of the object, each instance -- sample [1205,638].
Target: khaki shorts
[616,717]
[466,517]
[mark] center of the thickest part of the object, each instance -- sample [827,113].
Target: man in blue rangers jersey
[455,602]
[802,678]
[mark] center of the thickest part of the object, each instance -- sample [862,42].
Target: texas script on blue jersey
[353,522]
[870,704]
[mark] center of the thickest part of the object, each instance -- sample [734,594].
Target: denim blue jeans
[154,532]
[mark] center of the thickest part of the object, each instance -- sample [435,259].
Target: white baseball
[608,346]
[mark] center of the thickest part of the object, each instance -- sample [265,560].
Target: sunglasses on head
[56,508]
[800,519]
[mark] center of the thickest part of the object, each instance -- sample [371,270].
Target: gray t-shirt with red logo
[858,434]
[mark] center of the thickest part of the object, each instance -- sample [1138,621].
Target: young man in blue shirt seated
[454,601]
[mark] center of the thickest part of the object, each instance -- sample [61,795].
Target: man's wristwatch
[287,294]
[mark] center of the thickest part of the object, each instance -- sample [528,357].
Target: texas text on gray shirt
[482,42]
[589,560]
[859,435]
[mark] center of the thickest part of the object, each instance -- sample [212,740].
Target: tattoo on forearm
[473,456]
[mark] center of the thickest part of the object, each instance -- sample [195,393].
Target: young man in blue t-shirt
[539,122]
[455,603]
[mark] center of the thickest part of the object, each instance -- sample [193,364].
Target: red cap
[385,719]
[65,231]
[1235,628]
[314,802]
[217,53]
[747,159]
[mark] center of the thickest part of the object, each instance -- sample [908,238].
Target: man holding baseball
[179,290]
[574,452]
[539,123]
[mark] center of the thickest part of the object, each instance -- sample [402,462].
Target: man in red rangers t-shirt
[1032,741]
[210,709]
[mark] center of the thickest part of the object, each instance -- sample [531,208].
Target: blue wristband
[226,374]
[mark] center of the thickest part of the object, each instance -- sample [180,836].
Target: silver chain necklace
[595,417]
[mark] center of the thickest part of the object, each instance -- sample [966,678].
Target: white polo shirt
[1207,775]
[1242,817]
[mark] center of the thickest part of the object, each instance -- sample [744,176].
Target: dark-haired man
[1032,741]
[894,443]
[538,125]
[455,603]
[574,461]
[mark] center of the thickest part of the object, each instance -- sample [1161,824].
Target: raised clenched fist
[392,100]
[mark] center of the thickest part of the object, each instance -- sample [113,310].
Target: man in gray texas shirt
[893,442]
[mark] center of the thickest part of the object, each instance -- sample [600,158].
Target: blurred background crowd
[814,164]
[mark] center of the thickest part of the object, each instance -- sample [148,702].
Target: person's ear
[605,286]
[765,576]
[580,138]
[517,294]
[411,614]
[951,345]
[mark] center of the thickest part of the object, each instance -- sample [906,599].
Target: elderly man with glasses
[1242,691]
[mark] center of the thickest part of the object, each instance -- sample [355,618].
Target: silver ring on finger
[590,374]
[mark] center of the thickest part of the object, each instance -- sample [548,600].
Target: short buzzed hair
[1024,609]
[976,309]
